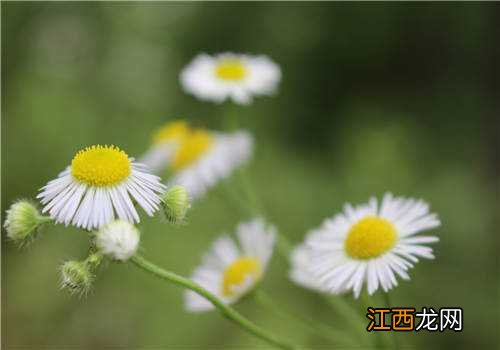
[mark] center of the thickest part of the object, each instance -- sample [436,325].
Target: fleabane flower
[100,182]
[23,221]
[208,157]
[118,240]
[229,271]
[198,158]
[367,244]
[238,77]
[165,141]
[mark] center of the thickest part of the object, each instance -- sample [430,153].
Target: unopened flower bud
[94,260]
[175,204]
[23,221]
[76,277]
[118,239]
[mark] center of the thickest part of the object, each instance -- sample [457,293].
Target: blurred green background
[374,97]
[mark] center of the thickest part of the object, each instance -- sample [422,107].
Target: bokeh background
[374,97]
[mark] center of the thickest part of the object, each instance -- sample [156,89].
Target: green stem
[395,341]
[248,191]
[44,219]
[344,309]
[226,310]
[238,200]
[319,328]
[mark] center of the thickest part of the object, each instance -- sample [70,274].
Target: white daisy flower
[229,271]
[365,244]
[198,158]
[224,154]
[101,181]
[300,274]
[118,239]
[165,142]
[230,76]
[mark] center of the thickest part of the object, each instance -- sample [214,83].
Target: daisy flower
[232,76]
[206,158]
[229,271]
[164,143]
[101,181]
[198,158]
[368,243]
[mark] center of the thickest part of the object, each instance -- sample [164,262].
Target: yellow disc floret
[230,69]
[101,166]
[370,237]
[173,131]
[191,148]
[237,273]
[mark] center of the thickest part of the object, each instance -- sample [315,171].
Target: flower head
[76,277]
[199,158]
[230,76]
[176,204]
[229,271]
[99,183]
[23,221]
[118,239]
[365,244]
[165,141]
[226,153]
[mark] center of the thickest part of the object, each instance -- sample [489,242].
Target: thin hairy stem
[226,310]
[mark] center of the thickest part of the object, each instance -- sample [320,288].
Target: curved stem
[226,310]
[321,329]
[387,300]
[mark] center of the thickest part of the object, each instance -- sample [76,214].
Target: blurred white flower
[99,182]
[232,76]
[365,244]
[118,239]
[230,272]
[166,140]
[198,158]
[227,152]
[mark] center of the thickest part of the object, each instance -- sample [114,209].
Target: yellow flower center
[192,146]
[231,69]
[370,237]
[237,273]
[101,165]
[172,131]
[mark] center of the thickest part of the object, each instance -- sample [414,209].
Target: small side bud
[118,239]
[176,204]
[94,260]
[76,277]
[23,222]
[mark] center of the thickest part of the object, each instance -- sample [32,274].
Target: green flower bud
[176,204]
[94,260]
[76,277]
[23,222]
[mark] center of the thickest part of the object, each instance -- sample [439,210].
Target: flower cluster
[371,244]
